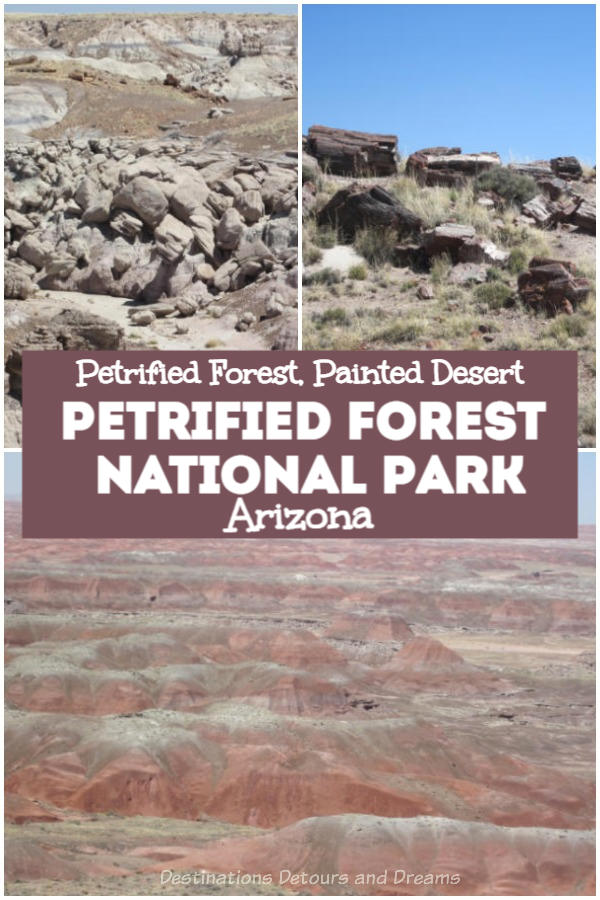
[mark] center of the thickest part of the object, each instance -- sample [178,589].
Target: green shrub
[517,261]
[376,245]
[494,294]
[408,285]
[358,272]
[508,184]
[312,255]
[310,173]
[326,237]
[568,327]
[441,268]
[322,276]
[400,331]
[334,316]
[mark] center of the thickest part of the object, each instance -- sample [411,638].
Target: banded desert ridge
[327,709]
[151,185]
[445,250]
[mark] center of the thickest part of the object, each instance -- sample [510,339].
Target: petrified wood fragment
[552,286]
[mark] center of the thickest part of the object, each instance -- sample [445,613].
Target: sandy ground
[203,328]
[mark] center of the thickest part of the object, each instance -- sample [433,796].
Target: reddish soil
[322,707]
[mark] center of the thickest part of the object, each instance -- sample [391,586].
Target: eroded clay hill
[324,708]
[145,72]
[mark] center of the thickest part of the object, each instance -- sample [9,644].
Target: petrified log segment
[353,152]
[462,244]
[566,167]
[357,207]
[448,166]
[551,285]
[537,170]
[585,216]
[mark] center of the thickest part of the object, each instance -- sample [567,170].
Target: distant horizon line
[153,9]
[17,498]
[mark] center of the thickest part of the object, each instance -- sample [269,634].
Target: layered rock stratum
[322,708]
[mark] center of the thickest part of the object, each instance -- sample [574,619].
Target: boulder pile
[148,221]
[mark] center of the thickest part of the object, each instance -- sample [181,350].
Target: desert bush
[494,294]
[325,237]
[513,343]
[408,285]
[441,268]
[587,421]
[400,331]
[322,276]
[358,272]
[508,184]
[312,173]
[518,260]
[459,325]
[564,327]
[435,205]
[334,316]
[312,254]
[376,245]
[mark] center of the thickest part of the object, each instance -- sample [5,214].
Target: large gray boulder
[98,209]
[143,197]
[250,206]
[173,238]
[230,230]
[188,198]
[17,283]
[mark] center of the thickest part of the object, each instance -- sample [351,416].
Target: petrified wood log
[358,207]
[537,170]
[566,167]
[353,152]
[448,166]
[585,216]
[551,285]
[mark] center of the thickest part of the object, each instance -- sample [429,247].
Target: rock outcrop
[69,330]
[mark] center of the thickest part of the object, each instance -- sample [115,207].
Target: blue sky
[12,475]
[518,79]
[79,8]
[587,488]
[587,483]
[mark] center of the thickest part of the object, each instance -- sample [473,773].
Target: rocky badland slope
[150,185]
[448,250]
[322,709]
